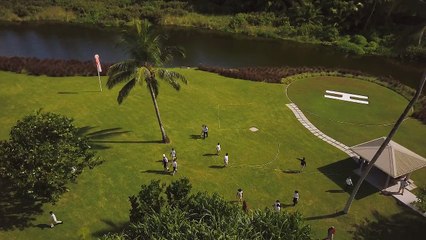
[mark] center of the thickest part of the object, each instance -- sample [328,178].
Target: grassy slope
[99,202]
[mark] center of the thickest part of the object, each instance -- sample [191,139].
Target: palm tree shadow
[99,138]
[333,215]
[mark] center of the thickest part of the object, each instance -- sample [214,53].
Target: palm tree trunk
[422,31]
[157,112]
[385,143]
[371,14]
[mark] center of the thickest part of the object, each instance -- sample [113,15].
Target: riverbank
[310,27]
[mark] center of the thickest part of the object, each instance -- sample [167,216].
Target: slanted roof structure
[395,160]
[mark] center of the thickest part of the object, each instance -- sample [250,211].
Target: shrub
[350,47]
[50,67]
[43,154]
[359,40]
[238,22]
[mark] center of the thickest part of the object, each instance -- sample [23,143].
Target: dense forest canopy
[387,27]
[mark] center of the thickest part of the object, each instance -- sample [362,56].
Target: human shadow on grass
[335,191]
[209,154]
[42,226]
[400,226]
[332,215]
[160,172]
[339,170]
[290,171]
[16,212]
[112,228]
[217,166]
[195,136]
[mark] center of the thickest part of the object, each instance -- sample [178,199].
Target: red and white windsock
[98,63]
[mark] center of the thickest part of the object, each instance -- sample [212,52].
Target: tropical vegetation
[148,53]
[203,216]
[389,27]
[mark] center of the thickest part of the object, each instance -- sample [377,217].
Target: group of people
[165,161]
[277,204]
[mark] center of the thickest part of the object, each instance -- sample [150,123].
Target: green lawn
[127,138]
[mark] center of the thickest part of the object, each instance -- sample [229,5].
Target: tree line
[386,27]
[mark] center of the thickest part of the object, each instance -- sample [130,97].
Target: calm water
[202,47]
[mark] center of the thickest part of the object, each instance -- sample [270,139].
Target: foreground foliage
[43,154]
[203,216]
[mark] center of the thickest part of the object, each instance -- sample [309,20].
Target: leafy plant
[43,154]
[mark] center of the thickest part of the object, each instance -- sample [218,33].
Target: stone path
[307,124]
[408,198]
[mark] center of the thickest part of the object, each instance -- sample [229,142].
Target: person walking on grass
[277,206]
[302,163]
[225,160]
[240,194]
[173,154]
[165,163]
[218,148]
[295,197]
[331,231]
[175,166]
[53,220]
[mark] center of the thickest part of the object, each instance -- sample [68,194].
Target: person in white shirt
[277,206]
[174,164]
[295,198]
[165,163]
[173,154]
[349,183]
[225,160]
[240,194]
[218,148]
[53,220]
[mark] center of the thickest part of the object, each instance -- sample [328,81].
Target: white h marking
[346,97]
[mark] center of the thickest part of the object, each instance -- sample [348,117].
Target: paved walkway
[406,199]
[307,124]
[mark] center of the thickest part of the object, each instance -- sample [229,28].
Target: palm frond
[120,72]
[124,92]
[171,77]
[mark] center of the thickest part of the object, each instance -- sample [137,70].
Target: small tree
[43,154]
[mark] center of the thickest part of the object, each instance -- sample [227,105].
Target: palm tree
[148,54]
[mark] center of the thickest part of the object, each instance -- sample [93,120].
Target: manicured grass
[259,162]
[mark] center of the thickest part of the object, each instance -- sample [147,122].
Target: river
[59,41]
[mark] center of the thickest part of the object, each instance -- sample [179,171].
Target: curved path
[307,124]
